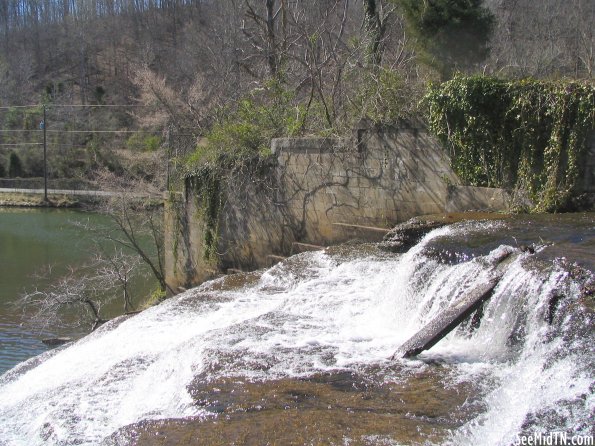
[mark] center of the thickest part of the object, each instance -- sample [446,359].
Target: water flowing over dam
[308,343]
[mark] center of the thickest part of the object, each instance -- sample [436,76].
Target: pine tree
[451,34]
[15,167]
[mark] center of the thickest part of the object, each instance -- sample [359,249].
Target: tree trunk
[374,25]
[270,38]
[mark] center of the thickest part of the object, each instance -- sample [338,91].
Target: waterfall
[531,356]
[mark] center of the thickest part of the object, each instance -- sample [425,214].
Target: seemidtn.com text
[553,439]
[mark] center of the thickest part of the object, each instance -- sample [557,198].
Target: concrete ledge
[301,145]
[472,198]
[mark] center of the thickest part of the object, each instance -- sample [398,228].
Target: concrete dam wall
[318,191]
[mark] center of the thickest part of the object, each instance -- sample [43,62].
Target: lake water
[30,240]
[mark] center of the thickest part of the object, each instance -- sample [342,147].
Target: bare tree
[140,224]
[550,37]
[263,34]
[115,272]
[135,208]
[86,289]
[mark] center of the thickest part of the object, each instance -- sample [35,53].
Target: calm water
[31,239]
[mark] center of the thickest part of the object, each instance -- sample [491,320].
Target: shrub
[152,143]
[13,118]
[32,159]
[142,142]
[385,96]
[32,117]
[245,130]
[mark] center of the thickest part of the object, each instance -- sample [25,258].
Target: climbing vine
[528,136]
[205,183]
[238,143]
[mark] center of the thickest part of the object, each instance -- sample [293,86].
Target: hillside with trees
[121,79]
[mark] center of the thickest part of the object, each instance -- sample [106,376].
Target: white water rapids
[319,312]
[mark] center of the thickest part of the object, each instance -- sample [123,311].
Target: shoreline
[55,201]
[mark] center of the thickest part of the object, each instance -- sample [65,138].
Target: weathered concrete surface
[252,226]
[321,191]
[464,198]
[380,177]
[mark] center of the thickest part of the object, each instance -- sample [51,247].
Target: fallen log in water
[56,341]
[447,321]
[303,247]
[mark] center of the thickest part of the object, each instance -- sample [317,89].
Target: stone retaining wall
[321,191]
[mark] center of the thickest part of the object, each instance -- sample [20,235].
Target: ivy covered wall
[528,136]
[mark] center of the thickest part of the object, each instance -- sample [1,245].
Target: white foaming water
[312,313]
[547,384]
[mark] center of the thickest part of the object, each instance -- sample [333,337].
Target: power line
[9,107]
[95,105]
[102,131]
[78,131]
[53,144]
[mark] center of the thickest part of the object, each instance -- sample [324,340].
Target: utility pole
[168,154]
[45,158]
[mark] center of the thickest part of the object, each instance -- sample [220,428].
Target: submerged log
[303,247]
[447,321]
[277,258]
[56,341]
[363,228]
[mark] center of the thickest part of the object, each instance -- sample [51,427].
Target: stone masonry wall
[321,191]
[589,175]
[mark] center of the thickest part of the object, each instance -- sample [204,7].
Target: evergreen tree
[451,34]
[15,167]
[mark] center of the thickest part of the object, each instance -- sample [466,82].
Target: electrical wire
[9,107]
[79,131]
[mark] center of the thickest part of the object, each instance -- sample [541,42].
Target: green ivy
[528,135]
[206,185]
[177,209]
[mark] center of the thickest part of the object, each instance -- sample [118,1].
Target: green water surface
[30,240]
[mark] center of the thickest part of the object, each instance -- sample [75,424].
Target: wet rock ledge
[406,235]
